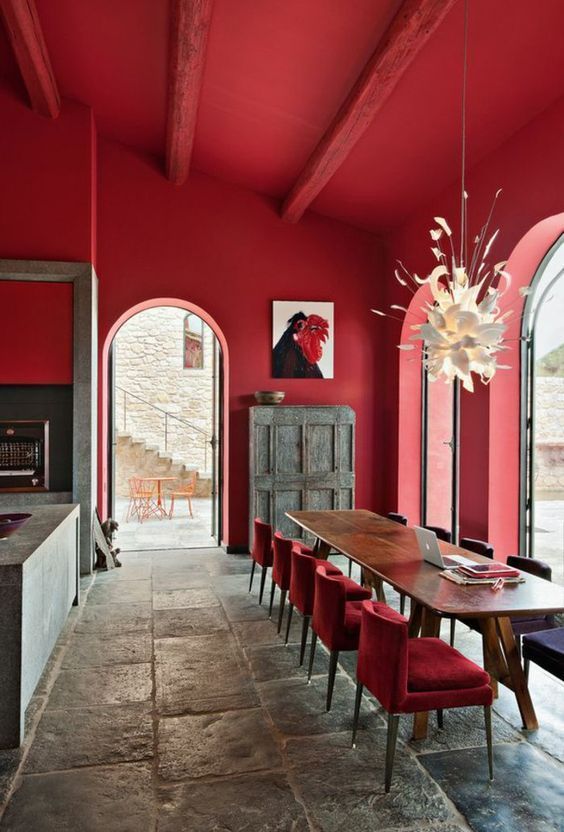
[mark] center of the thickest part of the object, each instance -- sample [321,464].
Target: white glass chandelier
[464,327]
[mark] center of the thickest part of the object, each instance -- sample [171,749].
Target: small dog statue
[109,528]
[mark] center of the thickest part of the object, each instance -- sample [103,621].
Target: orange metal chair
[141,499]
[186,491]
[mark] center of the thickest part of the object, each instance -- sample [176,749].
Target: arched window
[542,413]
[193,342]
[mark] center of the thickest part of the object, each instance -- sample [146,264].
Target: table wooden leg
[494,660]
[415,620]
[518,682]
[430,628]
[321,549]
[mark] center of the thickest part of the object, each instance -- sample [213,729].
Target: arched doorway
[164,377]
[542,414]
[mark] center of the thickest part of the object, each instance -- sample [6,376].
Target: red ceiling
[277,70]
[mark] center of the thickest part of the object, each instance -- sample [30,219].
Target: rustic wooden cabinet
[301,458]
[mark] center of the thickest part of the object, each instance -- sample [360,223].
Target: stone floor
[171,704]
[179,532]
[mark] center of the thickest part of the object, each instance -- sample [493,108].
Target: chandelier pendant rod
[463,196]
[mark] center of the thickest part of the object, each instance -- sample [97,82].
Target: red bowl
[10,523]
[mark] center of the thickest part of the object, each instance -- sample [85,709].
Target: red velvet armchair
[302,589]
[282,570]
[408,675]
[337,609]
[261,552]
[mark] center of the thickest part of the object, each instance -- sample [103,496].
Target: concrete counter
[39,576]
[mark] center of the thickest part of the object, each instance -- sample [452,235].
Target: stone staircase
[135,458]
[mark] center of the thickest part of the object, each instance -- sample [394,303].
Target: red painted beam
[28,43]
[189,35]
[409,31]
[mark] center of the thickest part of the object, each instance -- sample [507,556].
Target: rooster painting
[299,349]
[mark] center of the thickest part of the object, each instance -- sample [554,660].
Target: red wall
[36,342]
[47,211]
[529,167]
[46,186]
[226,250]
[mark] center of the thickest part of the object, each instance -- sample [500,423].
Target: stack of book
[484,573]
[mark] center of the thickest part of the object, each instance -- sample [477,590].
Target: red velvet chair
[531,624]
[336,620]
[261,552]
[282,570]
[408,675]
[302,589]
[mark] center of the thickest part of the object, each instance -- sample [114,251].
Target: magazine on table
[457,576]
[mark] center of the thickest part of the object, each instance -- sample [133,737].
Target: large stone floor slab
[343,787]
[526,794]
[265,803]
[113,685]
[119,798]
[112,618]
[91,737]
[233,742]
[201,673]
[298,709]
[95,651]
[121,592]
[188,622]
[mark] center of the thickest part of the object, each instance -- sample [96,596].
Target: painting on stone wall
[193,342]
[302,339]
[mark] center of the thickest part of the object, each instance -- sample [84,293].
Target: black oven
[24,455]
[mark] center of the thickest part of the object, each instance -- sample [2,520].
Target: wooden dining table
[390,552]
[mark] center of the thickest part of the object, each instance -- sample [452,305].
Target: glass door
[545,423]
[440,451]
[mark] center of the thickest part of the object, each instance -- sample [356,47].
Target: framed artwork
[193,342]
[302,339]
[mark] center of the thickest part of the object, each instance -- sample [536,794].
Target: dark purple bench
[545,649]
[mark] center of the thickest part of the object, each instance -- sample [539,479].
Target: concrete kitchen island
[39,582]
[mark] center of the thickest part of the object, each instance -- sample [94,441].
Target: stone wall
[149,363]
[549,439]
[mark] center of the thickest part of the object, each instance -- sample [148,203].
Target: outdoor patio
[179,532]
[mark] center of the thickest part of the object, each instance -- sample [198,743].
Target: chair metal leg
[402,603]
[272,591]
[440,718]
[350,567]
[252,574]
[357,701]
[283,593]
[305,628]
[452,629]
[333,659]
[393,723]
[262,582]
[488,718]
[288,623]
[526,664]
[311,655]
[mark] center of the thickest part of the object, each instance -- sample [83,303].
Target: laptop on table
[430,552]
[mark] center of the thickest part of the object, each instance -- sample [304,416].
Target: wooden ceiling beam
[413,25]
[190,26]
[25,34]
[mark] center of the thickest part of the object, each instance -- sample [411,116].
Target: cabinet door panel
[289,499]
[320,442]
[262,450]
[346,448]
[289,449]
[320,499]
